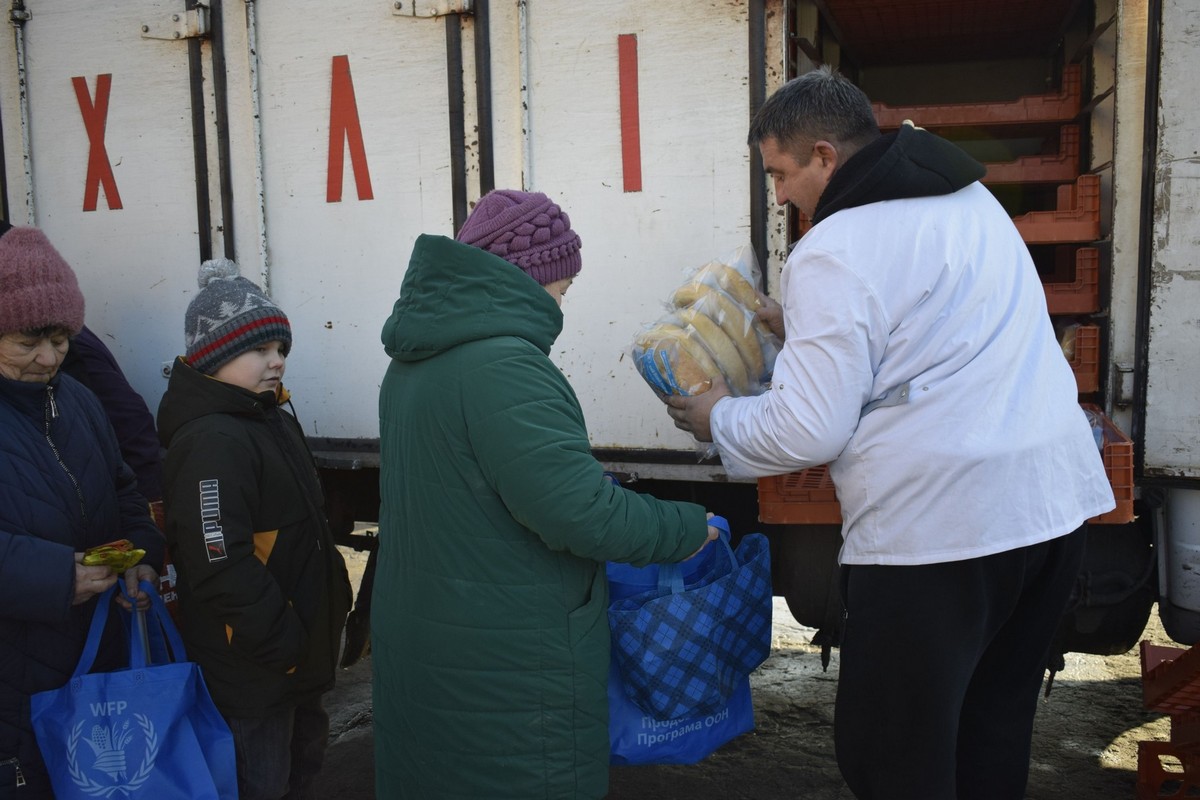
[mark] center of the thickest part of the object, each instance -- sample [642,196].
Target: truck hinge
[1123,388]
[189,24]
[431,8]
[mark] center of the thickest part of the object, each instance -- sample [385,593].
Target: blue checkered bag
[682,647]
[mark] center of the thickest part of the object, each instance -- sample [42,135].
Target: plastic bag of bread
[710,329]
[1066,338]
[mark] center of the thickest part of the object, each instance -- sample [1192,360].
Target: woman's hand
[90,581]
[713,533]
[133,575]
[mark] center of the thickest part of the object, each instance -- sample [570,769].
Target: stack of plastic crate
[1063,238]
[1171,685]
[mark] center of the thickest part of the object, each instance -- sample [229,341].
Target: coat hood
[908,163]
[191,394]
[454,293]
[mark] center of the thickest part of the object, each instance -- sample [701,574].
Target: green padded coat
[490,641]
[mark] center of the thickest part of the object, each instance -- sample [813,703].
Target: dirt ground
[1085,738]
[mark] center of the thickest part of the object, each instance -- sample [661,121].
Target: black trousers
[940,670]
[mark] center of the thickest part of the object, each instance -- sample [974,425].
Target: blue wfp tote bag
[149,731]
[680,648]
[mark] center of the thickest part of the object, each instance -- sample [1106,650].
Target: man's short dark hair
[821,104]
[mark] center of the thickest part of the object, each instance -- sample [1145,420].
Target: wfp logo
[115,741]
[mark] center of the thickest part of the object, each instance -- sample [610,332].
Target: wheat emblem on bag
[110,746]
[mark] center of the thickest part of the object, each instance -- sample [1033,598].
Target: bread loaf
[738,324]
[720,346]
[721,276]
[712,330]
[716,275]
[735,284]
[673,361]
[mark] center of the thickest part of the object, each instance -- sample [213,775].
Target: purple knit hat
[38,288]
[526,229]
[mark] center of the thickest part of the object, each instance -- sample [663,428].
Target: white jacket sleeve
[823,377]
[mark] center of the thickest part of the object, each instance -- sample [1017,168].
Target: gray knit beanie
[230,316]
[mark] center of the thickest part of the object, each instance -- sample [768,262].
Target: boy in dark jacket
[263,591]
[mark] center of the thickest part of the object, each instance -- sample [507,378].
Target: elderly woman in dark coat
[63,488]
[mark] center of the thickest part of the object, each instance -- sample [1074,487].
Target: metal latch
[188,24]
[431,8]
[1123,388]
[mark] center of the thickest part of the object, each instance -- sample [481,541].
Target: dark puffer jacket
[263,591]
[63,488]
[90,362]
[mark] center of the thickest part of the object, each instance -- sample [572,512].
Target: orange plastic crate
[1082,295]
[1060,168]
[1185,731]
[1118,466]
[1060,106]
[799,498]
[1170,685]
[1076,218]
[803,222]
[1086,361]
[1154,780]
[1170,678]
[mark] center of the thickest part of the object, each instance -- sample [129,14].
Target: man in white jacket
[920,363]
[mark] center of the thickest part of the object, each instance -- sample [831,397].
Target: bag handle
[95,632]
[158,609]
[670,576]
[721,524]
[137,654]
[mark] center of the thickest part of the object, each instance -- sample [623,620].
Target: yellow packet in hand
[120,555]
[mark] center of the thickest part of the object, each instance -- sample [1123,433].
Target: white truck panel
[135,265]
[1172,414]
[336,267]
[694,202]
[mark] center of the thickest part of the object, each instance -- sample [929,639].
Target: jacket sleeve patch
[264,543]
[210,520]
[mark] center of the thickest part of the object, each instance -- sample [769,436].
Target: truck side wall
[339,137]
[1172,413]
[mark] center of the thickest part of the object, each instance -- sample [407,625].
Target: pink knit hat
[37,287]
[526,229]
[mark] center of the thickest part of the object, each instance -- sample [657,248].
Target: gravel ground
[1085,738]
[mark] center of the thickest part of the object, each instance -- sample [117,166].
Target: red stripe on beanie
[237,333]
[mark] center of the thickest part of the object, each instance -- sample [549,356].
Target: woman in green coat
[489,631]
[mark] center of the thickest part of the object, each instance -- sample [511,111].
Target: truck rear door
[1172,413]
[356,164]
[111,174]
[638,121]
